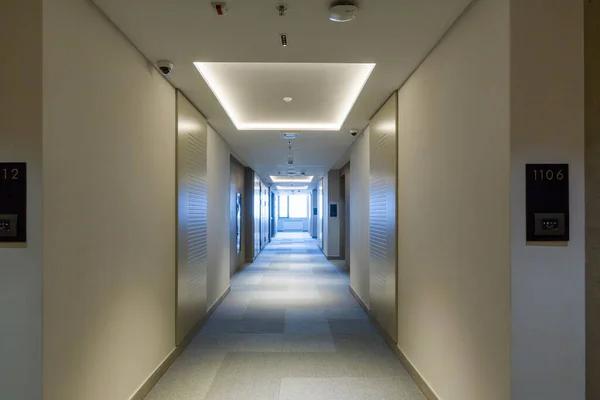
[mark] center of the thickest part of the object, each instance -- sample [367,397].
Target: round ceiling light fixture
[287,99]
[343,12]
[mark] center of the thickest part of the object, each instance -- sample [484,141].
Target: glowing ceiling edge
[358,85]
[291,179]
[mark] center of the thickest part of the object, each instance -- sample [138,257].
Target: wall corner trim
[153,379]
[413,372]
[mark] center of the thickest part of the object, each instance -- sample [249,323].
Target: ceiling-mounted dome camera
[164,66]
[353,132]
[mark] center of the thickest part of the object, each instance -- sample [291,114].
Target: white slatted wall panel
[382,217]
[192,252]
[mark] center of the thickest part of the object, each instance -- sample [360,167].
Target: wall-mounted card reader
[8,225]
[549,224]
[333,210]
[547,197]
[13,202]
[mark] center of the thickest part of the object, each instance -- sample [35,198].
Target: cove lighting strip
[217,83]
[291,179]
[292,187]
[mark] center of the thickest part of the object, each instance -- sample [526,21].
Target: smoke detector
[343,12]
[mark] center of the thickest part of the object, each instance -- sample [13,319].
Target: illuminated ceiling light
[292,187]
[284,179]
[287,99]
[276,126]
[219,82]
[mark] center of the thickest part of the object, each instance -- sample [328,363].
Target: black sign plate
[13,202]
[547,202]
[333,212]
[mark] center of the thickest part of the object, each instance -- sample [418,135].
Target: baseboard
[217,303]
[388,339]
[194,331]
[419,380]
[360,302]
[241,268]
[145,388]
[421,383]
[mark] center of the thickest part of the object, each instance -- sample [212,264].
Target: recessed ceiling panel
[280,96]
[291,179]
[280,187]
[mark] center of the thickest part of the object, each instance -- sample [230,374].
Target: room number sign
[547,203]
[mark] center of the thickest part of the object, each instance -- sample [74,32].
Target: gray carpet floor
[289,330]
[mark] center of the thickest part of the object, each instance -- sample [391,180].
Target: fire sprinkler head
[281,9]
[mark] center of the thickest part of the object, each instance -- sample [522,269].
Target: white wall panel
[453,211]
[359,216]
[218,216]
[592,194]
[265,199]
[547,125]
[382,217]
[192,237]
[109,148]
[333,223]
[257,212]
[236,186]
[21,141]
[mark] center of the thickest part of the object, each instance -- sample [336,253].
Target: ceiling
[396,35]
[286,96]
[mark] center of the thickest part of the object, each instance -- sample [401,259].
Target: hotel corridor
[289,330]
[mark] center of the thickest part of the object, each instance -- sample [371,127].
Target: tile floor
[289,330]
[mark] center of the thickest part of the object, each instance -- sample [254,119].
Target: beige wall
[453,210]
[592,192]
[21,141]
[218,216]
[547,125]
[359,216]
[109,209]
